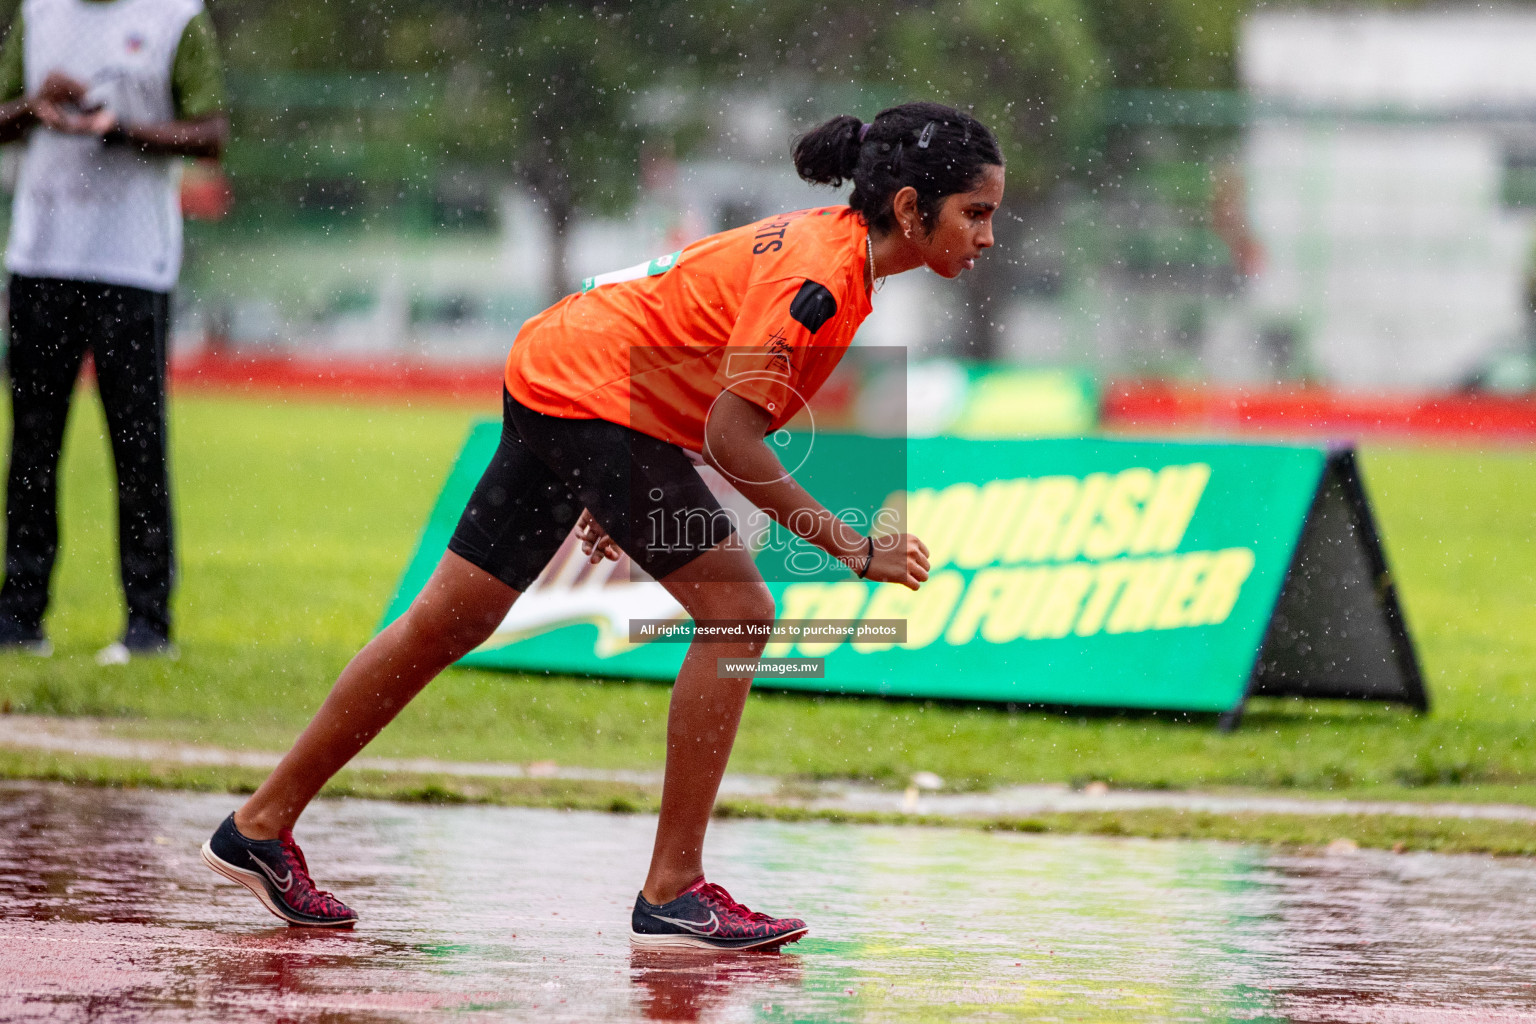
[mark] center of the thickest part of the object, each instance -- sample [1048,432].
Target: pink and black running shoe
[704,916]
[275,871]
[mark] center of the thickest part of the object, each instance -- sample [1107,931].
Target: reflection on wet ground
[106,914]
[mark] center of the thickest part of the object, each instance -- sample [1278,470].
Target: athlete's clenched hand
[595,542]
[899,558]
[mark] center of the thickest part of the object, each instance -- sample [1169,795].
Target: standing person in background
[109,95]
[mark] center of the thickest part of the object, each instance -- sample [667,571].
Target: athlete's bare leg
[722,583]
[455,612]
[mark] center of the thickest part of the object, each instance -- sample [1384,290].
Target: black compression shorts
[643,491]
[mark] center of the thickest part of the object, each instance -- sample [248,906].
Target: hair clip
[927,135]
[864,131]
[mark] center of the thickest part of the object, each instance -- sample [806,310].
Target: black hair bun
[829,153]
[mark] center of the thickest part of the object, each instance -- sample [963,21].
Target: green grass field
[296,518]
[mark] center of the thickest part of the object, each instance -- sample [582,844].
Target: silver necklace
[875,283]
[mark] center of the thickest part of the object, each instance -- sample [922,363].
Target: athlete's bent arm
[734,446]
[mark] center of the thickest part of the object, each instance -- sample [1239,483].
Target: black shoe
[144,639]
[705,916]
[275,871]
[19,638]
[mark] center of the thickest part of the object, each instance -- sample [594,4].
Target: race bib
[659,265]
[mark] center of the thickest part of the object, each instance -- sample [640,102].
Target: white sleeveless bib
[84,210]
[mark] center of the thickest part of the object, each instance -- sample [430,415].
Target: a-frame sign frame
[1337,628]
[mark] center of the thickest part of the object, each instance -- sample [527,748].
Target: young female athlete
[708,351]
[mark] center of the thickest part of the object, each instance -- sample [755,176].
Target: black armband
[869,558]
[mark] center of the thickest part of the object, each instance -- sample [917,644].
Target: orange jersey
[765,311]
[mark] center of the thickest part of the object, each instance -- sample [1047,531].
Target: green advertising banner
[1064,572]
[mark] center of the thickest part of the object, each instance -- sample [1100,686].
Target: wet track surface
[107,914]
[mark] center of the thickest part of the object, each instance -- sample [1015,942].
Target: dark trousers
[53,324]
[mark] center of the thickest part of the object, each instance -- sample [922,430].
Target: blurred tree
[1168,44]
[543,91]
[1029,68]
[355,107]
[392,94]
[1032,71]
[572,73]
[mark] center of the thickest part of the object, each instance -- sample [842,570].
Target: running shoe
[705,916]
[275,871]
[139,641]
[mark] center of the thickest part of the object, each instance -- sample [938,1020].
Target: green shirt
[197,76]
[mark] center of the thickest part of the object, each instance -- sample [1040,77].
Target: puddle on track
[470,913]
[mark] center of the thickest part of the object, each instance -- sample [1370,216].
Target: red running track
[494,914]
[1157,406]
[373,379]
[1138,406]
